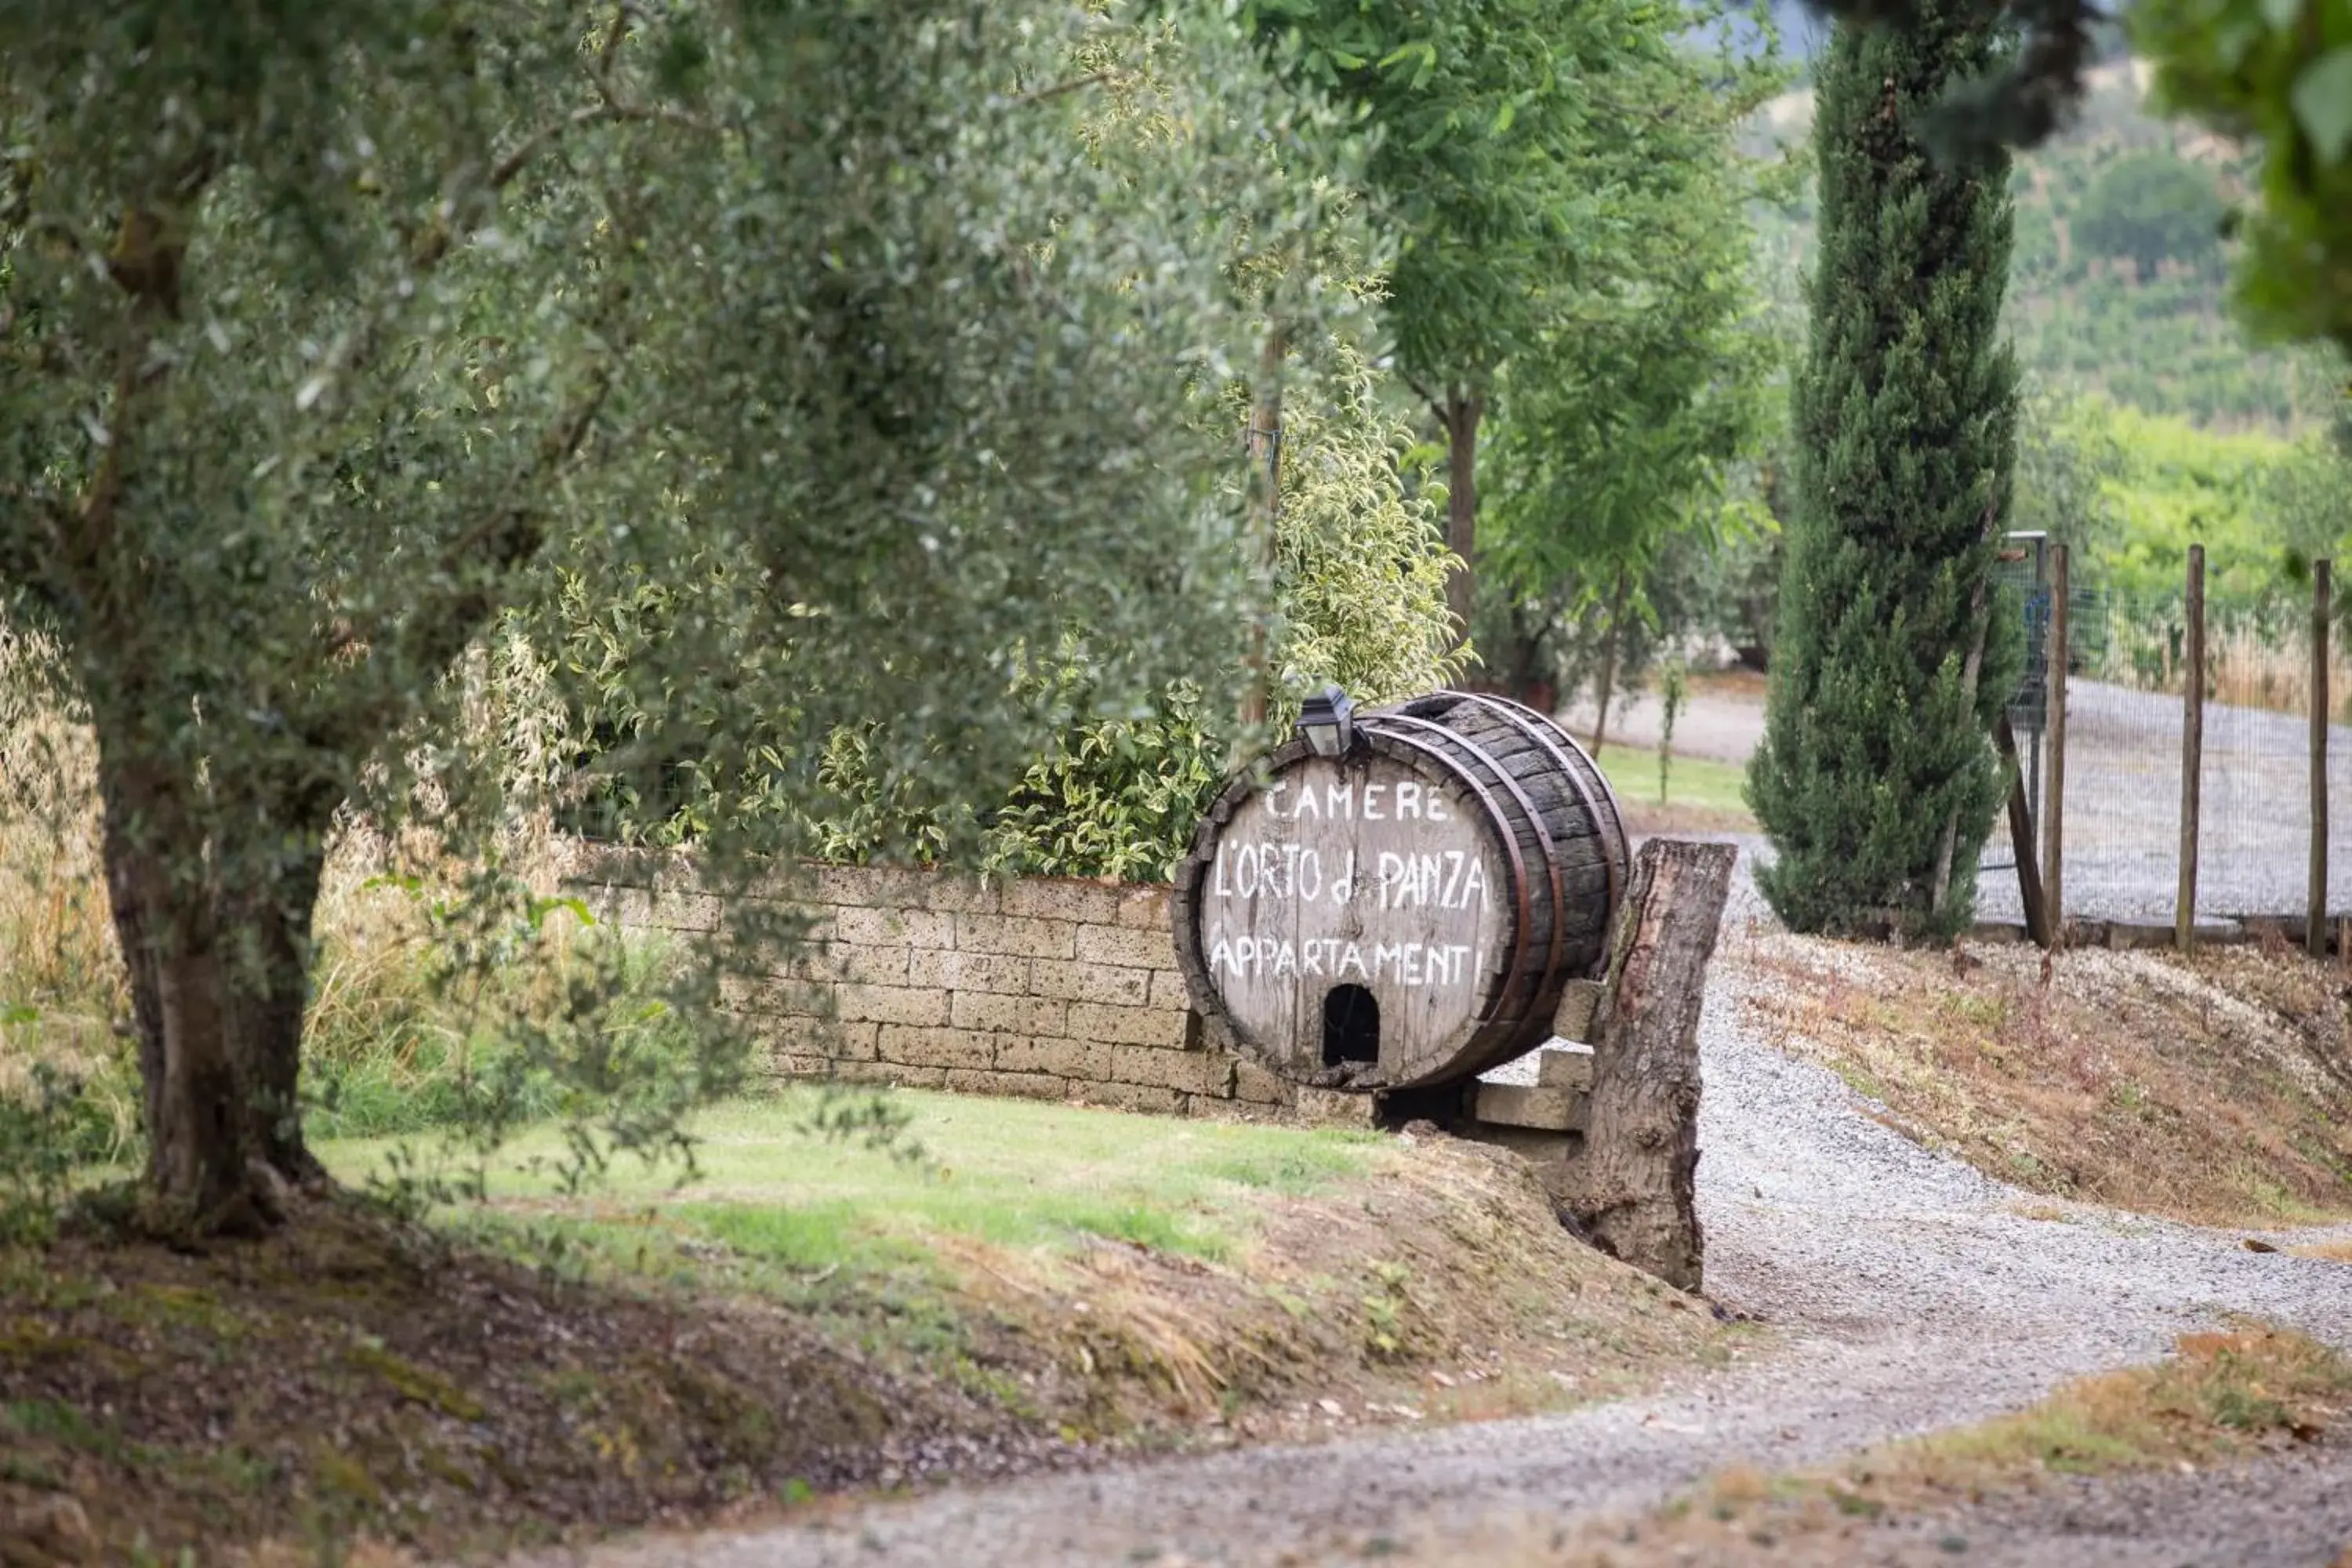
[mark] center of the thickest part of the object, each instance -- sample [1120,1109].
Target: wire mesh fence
[2128,656]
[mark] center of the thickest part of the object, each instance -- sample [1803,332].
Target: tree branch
[1076,84]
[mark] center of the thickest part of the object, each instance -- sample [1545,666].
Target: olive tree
[333,332]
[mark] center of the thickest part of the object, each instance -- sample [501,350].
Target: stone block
[897,1074]
[891,1003]
[1579,1001]
[791,1063]
[1127,1025]
[895,927]
[1135,1097]
[1007,1015]
[998,974]
[1528,1105]
[632,908]
[1565,1066]
[1143,909]
[1079,1060]
[1014,934]
[1126,947]
[826,1037]
[1195,1072]
[1259,1087]
[863,965]
[1013,1085]
[936,1047]
[1072,898]
[1334,1107]
[685,912]
[1106,984]
[1169,992]
[798,960]
[1210,1109]
[902,887]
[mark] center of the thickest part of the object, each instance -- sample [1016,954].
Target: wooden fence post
[1634,1188]
[2314,928]
[2054,790]
[2192,752]
[2030,897]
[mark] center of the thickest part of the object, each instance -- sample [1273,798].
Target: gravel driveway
[2122,800]
[1912,1293]
[2123,811]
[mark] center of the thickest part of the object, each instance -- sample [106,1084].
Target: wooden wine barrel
[1408,914]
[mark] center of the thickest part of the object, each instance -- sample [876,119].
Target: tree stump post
[1634,1188]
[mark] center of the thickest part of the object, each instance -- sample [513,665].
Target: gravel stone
[1911,1291]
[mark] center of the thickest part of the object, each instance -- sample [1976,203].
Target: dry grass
[2220,1396]
[2252,661]
[2326,1251]
[2216,1090]
[1144,1275]
[350,1380]
[61,983]
[373,1019]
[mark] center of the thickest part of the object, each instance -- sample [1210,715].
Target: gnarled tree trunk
[1634,1186]
[215,937]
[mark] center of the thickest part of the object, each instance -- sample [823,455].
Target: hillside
[2119,284]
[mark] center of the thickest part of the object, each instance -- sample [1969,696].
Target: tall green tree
[2275,73]
[336,331]
[1621,418]
[1875,779]
[1506,133]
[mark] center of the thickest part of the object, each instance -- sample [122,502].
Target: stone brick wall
[1047,988]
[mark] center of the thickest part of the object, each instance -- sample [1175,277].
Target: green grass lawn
[1695,784]
[1008,1172]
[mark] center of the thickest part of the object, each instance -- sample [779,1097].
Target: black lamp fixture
[1327,720]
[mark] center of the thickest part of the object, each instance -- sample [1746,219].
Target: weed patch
[2220,1395]
[2216,1090]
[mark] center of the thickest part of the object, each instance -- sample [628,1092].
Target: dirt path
[2293,1511]
[1915,1293]
[1721,719]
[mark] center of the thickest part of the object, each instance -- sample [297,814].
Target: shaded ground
[352,1378]
[818,1318]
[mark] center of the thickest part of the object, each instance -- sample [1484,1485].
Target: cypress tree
[1877,779]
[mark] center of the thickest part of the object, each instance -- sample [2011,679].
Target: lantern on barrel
[1395,899]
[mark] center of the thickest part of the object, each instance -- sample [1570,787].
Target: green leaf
[2281,13]
[2322,102]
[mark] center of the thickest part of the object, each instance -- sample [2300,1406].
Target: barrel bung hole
[1351,1025]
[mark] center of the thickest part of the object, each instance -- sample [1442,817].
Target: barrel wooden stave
[1546,831]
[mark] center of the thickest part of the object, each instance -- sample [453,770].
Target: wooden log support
[2323,596]
[2053,794]
[1633,1189]
[2192,754]
[2030,889]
